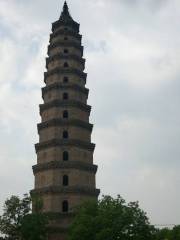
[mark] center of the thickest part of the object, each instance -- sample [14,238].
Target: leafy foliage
[15,209]
[168,234]
[106,219]
[19,223]
[34,227]
[111,219]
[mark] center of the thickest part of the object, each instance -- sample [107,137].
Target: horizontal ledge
[66,23]
[65,165]
[60,122]
[66,190]
[65,103]
[64,57]
[65,86]
[69,142]
[60,70]
[66,33]
[65,44]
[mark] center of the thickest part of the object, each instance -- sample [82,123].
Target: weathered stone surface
[64,165]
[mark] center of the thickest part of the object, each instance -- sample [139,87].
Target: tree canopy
[106,219]
[110,219]
[19,223]
[168,234]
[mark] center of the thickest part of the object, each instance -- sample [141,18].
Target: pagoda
[65,173]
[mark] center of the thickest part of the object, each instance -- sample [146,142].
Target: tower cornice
[63,123]
[80,190]
[64,86]
[69,23]
[60,70]
[66,103]
[66,32]
[65,165]
[61,142]
[64,57]
[65,44]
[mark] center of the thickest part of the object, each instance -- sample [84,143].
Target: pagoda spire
[65,15]
[65,8]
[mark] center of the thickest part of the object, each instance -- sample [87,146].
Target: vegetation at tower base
[110,219]
[168,234]
[15,209]
[19,223]
[106,219]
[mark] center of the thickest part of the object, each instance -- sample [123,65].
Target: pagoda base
[57,236]
[57,233]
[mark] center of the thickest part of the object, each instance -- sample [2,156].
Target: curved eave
[65,165]
[59,122]
[60,70]
[67,33]
[65,57]
[67,190]
[68,142]
[65,44]
[65,103]
[68,23]
[64,86]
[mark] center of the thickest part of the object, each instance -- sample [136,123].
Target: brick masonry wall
[56,154]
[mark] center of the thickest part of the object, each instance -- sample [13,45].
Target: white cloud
[133,165]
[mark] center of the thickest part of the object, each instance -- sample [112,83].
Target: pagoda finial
[65,8]
[65,15]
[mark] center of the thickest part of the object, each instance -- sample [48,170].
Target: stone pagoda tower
[64,174]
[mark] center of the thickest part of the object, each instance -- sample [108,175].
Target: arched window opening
[65,96]
[65,156]
[65,79]
[65,206]
[65,114]
[65,134]
[66,65]
[66,51]
[65,180]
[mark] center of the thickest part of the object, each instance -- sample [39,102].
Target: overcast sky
[132,48]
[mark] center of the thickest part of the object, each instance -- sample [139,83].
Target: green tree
[19,223]
[175,233]
[110,219]
[15,209]
[34,227]
[168,234]
[163,234]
